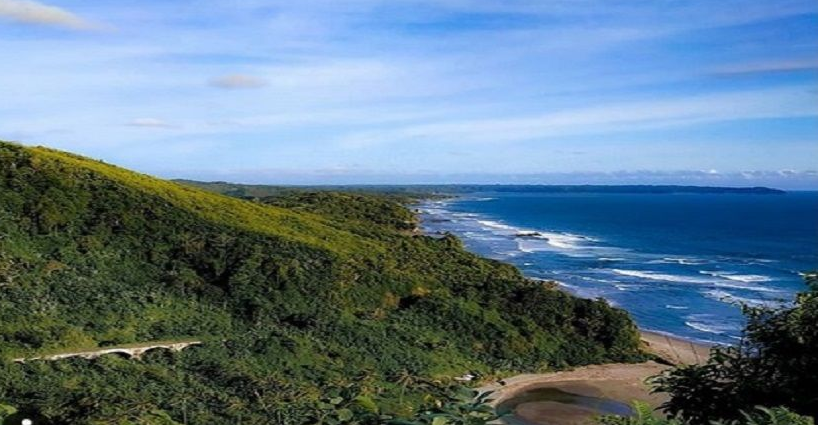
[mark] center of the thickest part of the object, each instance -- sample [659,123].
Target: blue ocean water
[679,263]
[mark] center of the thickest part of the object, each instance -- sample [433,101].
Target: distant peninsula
[247,190]
[662,189]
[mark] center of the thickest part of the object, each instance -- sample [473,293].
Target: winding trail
[133,351]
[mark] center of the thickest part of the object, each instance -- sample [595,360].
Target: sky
[421,91]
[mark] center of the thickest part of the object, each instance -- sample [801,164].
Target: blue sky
[421,91]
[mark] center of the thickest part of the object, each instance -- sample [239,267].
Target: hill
[307,305]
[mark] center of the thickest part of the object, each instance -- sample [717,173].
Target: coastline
[617,382]
[673,349]
[620,382]
[696,294]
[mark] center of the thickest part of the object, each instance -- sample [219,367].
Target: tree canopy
[295,298]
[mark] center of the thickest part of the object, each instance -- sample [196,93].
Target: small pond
[568,402]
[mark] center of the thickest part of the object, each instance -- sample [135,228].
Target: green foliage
[6,411]
[73,171]
[294,302]
[454,405]
[774,364]
[758,416]
[775,416]
[643,415]
[366,210]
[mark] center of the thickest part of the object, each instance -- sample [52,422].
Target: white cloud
[149,123]
[32,12]
[616,117]
[238,81]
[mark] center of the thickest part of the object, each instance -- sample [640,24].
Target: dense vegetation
[317,308]
[759,416]
[774,365]
[363,209]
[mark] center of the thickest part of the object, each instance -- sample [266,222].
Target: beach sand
[675,350]
[623,383]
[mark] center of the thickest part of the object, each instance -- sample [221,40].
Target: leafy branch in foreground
[455,406]
[644,415]
[773,365]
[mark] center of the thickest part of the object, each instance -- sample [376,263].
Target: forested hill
[308,306]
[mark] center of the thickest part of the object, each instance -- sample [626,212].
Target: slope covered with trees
[310,306]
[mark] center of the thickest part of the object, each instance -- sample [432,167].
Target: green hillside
[304,297]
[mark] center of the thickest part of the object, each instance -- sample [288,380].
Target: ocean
[681,264]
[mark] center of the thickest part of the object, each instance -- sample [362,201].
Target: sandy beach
[622,383]
[675,350]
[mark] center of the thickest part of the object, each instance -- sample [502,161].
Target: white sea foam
[705,327]
[611,259]
[481,236]
[711,324]
[557,240]
[730,298]
[740,281]
[676,307]
[593,279]
[496,225]
[747,278]
[562,240]
[528,246]
[661,276]
[687,261]
[465,215]
[565,285]
[744,286]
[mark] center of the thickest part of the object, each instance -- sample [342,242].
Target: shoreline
[616,382]
[675,349]
[619,382]
[665,341]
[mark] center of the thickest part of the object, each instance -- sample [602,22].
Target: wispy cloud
[424,85]
[238,81]
[785,179]
[36,13]
[149,123]
[769,67]
[614,117]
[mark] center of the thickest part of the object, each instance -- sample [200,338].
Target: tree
[775,364]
